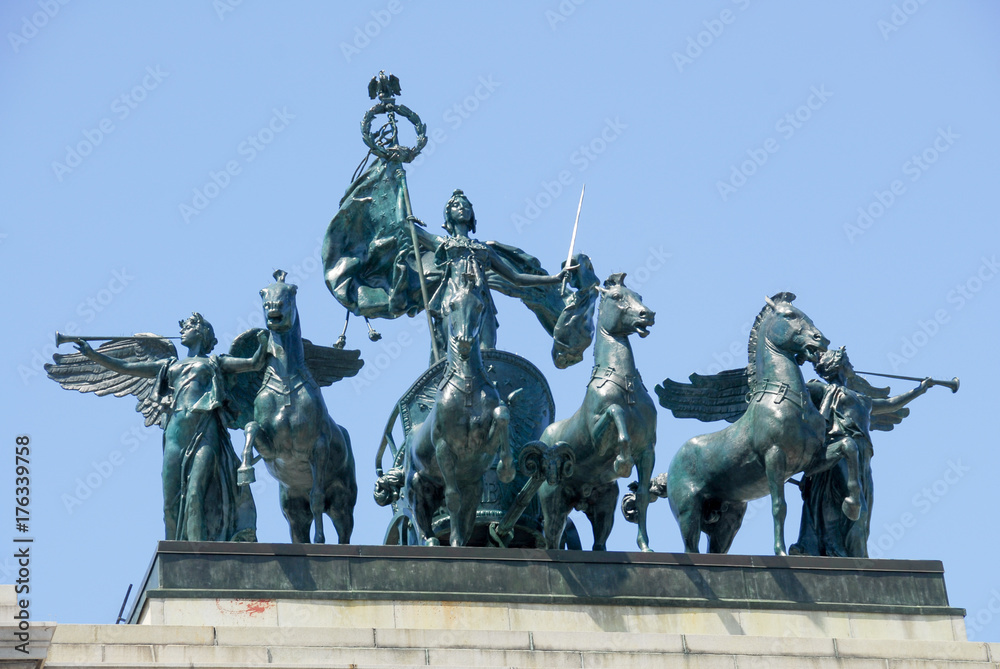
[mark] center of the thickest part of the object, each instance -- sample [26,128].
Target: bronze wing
[721,396]
[883,422]
[73,371]
[329,365]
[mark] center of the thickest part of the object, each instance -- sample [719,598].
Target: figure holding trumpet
[852,408]
[188,399]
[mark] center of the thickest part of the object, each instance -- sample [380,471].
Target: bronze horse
[303,448]
[614,429]
[780,433]
[468,426]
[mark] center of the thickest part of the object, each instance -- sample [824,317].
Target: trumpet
[68,339]
[953,384]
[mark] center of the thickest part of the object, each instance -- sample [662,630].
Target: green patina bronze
[852,407]
[776,431]
[381,262]
[613,431]
[190,399]
[287,423]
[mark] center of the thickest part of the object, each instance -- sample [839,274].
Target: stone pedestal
[323,606]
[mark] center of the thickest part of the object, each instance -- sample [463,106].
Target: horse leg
[775,464]
[601,513]
[254,434]
[615,415]
[555,511]
[317,491]
[426,499]
[342,495]
[847,449]
[499,440]
[686,506]
[644,472]
[722,532]
[296,512]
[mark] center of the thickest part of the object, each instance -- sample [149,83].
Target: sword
[572,241]
[953,384]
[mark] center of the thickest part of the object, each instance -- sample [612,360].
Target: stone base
[280,605]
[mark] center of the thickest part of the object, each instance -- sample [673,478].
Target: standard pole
[401,173]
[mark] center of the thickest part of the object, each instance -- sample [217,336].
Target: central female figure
[459,255]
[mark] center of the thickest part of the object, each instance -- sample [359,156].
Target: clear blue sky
[843,151]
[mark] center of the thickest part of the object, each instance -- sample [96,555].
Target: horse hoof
[623,466]
[433,541]
[851,509]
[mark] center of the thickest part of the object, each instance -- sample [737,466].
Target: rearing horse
[306,452]
[781,433]
[468,425]
[613,430]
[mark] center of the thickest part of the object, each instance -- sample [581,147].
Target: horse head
[279,304]
[621,312]
[463,313]
[788,329]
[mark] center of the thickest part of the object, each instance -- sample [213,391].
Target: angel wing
[241,389]
[720,396]
[883,422]
[329,365]
[73,371]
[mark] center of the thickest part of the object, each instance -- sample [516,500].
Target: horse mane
[752,344]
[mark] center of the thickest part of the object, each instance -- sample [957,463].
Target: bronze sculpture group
[482,462]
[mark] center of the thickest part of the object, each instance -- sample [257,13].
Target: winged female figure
[187,397]
[852,408]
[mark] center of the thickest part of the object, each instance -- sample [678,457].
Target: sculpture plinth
[400,586]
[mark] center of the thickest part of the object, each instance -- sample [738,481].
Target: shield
[531,409]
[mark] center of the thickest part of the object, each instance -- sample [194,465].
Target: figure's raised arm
[142,368]
[520,279]
[237,365]
[892,403]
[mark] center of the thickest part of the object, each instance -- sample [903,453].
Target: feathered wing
[721,396]
[329,365]
[73,371]
[242,389]
[883,422]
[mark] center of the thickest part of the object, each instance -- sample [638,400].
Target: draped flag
[369,265]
